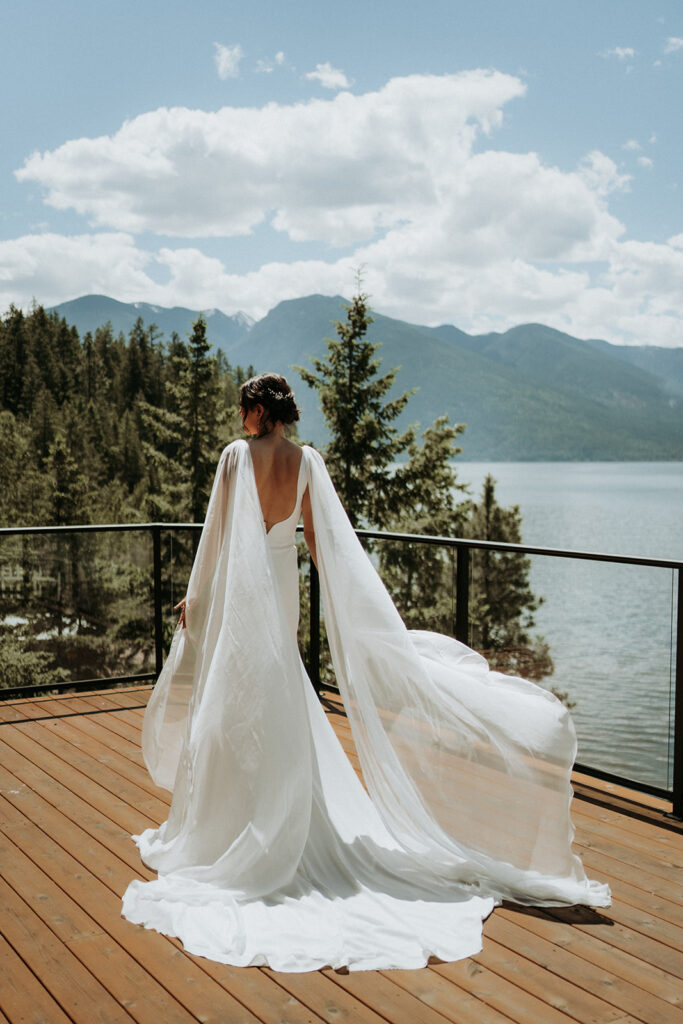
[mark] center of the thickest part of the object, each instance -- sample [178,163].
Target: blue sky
[486,164]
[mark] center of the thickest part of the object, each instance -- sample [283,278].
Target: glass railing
[85,606]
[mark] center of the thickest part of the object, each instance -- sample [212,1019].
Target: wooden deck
[73,788]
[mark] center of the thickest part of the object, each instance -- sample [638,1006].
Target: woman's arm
[309,531]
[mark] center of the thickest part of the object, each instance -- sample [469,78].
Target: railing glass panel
[75,606]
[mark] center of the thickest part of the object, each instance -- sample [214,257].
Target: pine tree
[364,442]
[199,401]
[420,577]
[502,604]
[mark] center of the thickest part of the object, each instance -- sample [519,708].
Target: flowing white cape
[272,853]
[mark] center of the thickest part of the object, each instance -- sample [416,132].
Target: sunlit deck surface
[73,788]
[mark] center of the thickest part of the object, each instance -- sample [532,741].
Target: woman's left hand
[181,607]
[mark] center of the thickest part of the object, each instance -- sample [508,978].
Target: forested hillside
[531,393]
[108,428]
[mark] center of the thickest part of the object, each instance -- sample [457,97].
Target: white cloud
[268,66]
[228,59]
[637,298]
[645,161]
[404,178]
[673,44]
[601,174]
[329,77]
[52,268]
[620,52]
[632,145]
[336,170]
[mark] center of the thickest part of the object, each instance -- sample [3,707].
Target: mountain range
[531,393]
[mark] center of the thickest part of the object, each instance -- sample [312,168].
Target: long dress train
[273,852]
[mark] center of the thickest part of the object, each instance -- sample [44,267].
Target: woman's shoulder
[311,454]
[240,445]
[231,455]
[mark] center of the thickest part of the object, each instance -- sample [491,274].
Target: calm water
[610,627]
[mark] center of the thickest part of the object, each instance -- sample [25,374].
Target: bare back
[276,469]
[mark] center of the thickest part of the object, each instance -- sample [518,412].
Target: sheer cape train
[273,853]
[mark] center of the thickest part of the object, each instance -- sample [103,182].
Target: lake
[610,627]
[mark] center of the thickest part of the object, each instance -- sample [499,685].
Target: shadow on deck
[73,788]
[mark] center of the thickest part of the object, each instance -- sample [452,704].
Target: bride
[273,852]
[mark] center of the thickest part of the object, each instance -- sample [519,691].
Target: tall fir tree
[364,441]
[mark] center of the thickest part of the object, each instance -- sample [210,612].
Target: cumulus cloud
[329,77]
[636,299]
[228,59]
[404,179]
[632,145]
[645,161]
[334,170]
[620,52]
[673,44]
[52,268]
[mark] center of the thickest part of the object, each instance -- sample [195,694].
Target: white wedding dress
[273,852]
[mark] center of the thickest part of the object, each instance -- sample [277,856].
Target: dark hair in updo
[275,395]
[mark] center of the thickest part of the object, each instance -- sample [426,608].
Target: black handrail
[463,545]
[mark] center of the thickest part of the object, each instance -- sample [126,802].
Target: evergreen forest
[106,429]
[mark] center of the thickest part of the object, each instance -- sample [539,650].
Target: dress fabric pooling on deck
[273,853]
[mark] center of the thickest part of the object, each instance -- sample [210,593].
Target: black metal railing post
[678,707]
[314,628]
[158,618]
[462,596]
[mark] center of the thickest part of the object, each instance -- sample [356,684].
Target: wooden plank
[645,924]
[499,993]
[620,933]
[34,812]
[628,807]
[163,957]
[631,887]
[546,987]
[444,996]
[20,712]
[122,696]
[595,950]
[324,998]
[92,727]
[116,970]
[29,777]
[271,1003]
[105,703]
[169,966]
[639,951]
[114,772]
[617,992]
[70,984]
[23,1000]
[110,717]
[615,790]
[662,832]
[392,1002]
[653,863]
[126,816]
